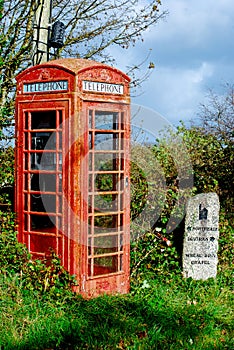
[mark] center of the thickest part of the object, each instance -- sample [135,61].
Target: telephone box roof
[73,66]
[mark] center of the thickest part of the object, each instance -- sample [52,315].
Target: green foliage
[47,277]
[226,250]
[150,255]
[13,255]
[7,166]
[212,161]
[139,190]
[158,250]
[34,275]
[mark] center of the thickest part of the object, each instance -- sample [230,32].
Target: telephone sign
[61,85]
[72,170]
[95,86]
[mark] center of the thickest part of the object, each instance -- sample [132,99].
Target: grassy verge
[173,314]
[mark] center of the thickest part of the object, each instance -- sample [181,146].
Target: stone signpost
[201,237]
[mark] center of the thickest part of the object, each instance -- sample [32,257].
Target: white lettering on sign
[61,85]
[106,88]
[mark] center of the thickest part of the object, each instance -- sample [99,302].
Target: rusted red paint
[69,177]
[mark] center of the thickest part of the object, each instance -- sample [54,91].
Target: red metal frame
[72,171]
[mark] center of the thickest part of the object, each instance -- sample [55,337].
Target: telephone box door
[108,196]
[41,178]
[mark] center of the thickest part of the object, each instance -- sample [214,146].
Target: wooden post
[41,32]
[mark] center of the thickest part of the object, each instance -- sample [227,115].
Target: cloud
[192,51]
[193,29]
[176,93]
[194,21]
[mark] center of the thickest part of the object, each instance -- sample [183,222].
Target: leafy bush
[226,250]
[13,255]
[151,255]
[139,190]
[42,276]
[6,177]
[47,277]
[158,250]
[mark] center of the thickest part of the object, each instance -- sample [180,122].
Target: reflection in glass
[106,120]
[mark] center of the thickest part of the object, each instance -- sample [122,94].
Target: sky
[193,52]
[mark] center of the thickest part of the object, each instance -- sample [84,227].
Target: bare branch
[217,115]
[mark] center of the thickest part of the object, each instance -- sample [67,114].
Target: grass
[158,314]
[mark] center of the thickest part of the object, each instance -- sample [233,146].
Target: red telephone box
[72,169]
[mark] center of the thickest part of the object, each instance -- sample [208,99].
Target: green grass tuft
[173,314]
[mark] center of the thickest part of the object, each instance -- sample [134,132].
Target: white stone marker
[201,237]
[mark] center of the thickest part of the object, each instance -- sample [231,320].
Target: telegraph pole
[42,20]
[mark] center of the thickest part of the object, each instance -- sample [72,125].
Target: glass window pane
[60,118]
[105,244]
[106,141]
[26,182]
[105,265]
[43,140]
[91,140]
[43,161]
[26,157]
[60,141]
[91,126]
[106,182]
[121,263]
[43,203]
[43,120]
[26,202]
[43,182]
[106,221]
[121,242]
[26,120]
[106,161]
[41,222]
[106,202]
[26,222]
[106,120]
